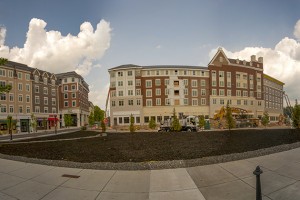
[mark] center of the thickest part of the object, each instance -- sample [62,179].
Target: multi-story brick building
[46,95]
[73,92]
[154,91]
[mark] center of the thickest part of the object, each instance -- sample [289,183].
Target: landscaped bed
[140,147]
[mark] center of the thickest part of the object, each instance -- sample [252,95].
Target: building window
[66,103]
[130,102]
[245,102]
[73,103]
[221,92]
[129,73]
[157,82]
[3,108]
[3,97]
[214,83]
[73,79]
[27,99]
[19,75]
[121,102]
[20,98]
[158,92]
[245,93]
[228,92]
[20,86]
[149,93]
[65,80]
[113,103]
[53,101]
[65,95]
[194,102]
[185,82]
[167,102]
[53,81]
[36,78]
[45,109]
[148,83]
[214,92]
[194,92]
[228,74]
[73,95]
[120,120]
[2,72]
[130,83]
[238,93]
[158,101]
[73,87]
[185,101]
[203,92]
[167,91]
[185,91]
[176,83]
[148,102]
[214,101]
[27,87]
[45,90]
[10,73]
[167,81]
[65,87]
[138,102]
[120,93]
[53,92]
[203,101]
[53,110]
[11,109]
[194,83]
[138,82]
[11,97]
[45,81]
[138,92]
[229,84]
[176,92]
[20,109]
[222,101]
[130,92]
[37,109]
[221,83]
[203,83]
[120,74]
[238,102]
[167,72]
[46,100]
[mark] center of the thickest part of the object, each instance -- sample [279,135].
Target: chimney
[260,59]
[253,58]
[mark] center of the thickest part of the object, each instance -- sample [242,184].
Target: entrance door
[24,126]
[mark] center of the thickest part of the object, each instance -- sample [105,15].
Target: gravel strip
[152,165]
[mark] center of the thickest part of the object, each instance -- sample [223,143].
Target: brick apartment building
[154,91]
[41,93]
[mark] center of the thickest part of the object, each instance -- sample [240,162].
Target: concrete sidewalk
[39,133]
[226,181]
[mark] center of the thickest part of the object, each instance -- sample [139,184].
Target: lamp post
[55,123]
[28,126]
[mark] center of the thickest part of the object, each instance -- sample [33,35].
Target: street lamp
[28,126]
[55,123]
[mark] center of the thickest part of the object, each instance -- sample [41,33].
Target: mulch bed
[141,147]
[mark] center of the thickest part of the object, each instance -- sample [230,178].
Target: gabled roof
[220,51]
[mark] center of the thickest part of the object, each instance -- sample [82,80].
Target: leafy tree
[45,123]
[91,118]
[3,61]
[103,126]
[265,119]
[175,125]
[68,120]
[152,124]
[98,114]
[9,125]
[131,126]
[201,121]
[33,122]
[229,119]
[296,116]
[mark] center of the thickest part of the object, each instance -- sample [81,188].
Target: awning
[4,121]
[52,119]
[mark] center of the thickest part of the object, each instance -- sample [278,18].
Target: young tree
[33,122]
[228,116]
[201,122]
[91,118]
[175,125]
[131,126]
[296,116]
[265,119]
[45,124]
[103,126]
[9,125]
[68,120]
[98,114]
[152,124]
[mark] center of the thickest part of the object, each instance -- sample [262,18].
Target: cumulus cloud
[281,62]
[51,51]
[2,35]
[98,97]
